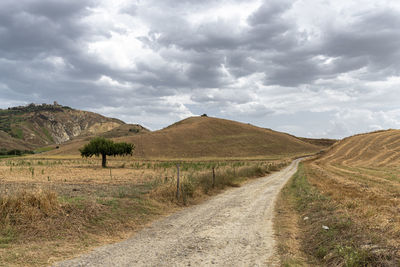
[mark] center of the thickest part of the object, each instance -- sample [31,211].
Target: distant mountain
[198,137]
[33,126]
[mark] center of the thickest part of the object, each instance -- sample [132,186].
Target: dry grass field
[206,137]
[55,204]
[354,189]
[54,207]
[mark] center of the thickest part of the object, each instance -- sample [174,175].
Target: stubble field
[353,190]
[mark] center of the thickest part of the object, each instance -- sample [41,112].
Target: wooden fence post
[213,178]
[177,181]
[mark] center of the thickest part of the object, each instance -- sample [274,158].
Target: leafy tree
[104,147]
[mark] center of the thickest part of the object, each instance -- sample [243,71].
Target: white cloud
[311,67]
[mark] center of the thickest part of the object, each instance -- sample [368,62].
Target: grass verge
[67,225]
[321,233]
[194,185]
[287,228]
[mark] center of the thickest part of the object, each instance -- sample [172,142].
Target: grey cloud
[293,75]
[241,64]
[272,45]
[278,37]
[191,5]
[266,32]
[268,12]
[34,27]
[373,34]
[204,76]
[87,67]
[155,76]
[373,38]
[250,72]
[222,97]
[208,37]
[219,43]
[373,41]
[252,110]
[130,9]
[205,70]
[34,32]
[61,9]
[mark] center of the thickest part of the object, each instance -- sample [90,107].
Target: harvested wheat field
[353,190]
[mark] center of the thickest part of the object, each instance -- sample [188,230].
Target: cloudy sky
[315,68]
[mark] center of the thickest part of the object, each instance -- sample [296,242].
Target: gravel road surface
[231,229]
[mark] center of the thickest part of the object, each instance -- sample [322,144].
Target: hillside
[7,142]
[323,142]
[359,182]
[381,148]
[34,126]
[125,130]
[209,137]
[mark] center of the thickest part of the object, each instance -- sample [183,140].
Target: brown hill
[7,142]
[372,149]
[323,142]
[209,137]
[125,130]
[34,126]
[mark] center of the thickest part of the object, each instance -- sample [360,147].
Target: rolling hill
[125,130]
[360,176]
[202,137]
[380,148]
[33,126]
[322,142]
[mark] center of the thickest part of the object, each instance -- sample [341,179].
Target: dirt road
[231,229]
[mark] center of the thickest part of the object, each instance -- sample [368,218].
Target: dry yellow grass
[381,148]
[361,175]
[79,171]
[205,137]
[69,204]
[39,227]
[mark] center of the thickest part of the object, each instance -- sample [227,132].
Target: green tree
[104,147]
